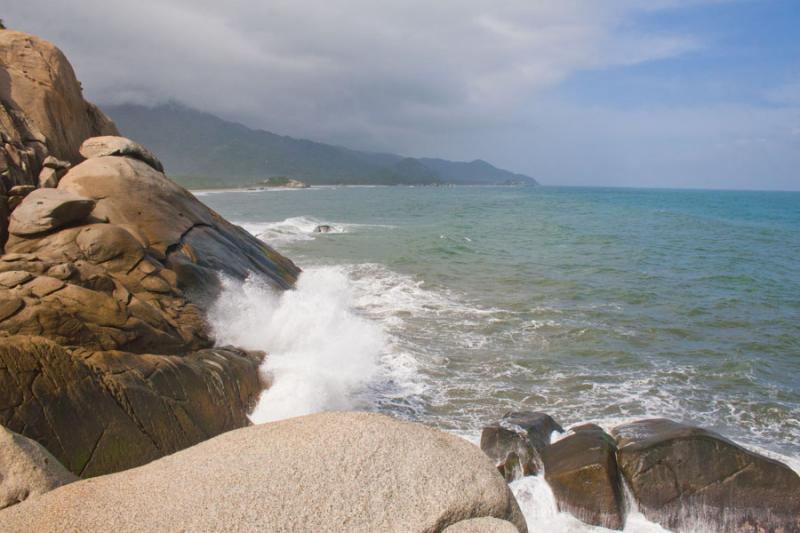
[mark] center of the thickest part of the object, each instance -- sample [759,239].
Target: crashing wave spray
[320,353]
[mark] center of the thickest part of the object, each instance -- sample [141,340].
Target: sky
[649,93]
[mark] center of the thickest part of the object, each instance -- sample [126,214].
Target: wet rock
[581,469]
[354,472]
[688,478]
[27,469]
[48,209]
[511,451]
[538,426]
[119,146]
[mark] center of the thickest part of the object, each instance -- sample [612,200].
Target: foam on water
[320,352]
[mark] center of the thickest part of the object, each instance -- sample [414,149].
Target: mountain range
[202,150]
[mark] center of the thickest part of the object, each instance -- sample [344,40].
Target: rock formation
[105,355]
[682,477]
[685,477]
[354,472]
[581,469]
[517,441]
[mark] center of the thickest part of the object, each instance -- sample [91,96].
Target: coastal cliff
[106,358]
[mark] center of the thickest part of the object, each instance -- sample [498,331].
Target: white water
[320,352]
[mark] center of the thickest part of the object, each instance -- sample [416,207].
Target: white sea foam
[321,353]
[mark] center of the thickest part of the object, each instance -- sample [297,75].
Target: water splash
[321,353]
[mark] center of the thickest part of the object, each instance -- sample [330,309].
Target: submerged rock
[355,472]
[687,478]
[581,469]
[27,469]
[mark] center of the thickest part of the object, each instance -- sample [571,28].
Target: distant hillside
[202,150]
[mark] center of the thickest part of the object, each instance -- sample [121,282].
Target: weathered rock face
[327,472]
[105,355]
[187,236]
[120,146]
[48,209]
[581,469]
[27,469]
[687,477]
[42,98]
[100,412]
[482,525]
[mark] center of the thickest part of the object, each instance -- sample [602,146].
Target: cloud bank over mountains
[457,78]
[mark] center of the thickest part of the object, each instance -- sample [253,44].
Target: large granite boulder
[42,114]
[581,470]
[689,478]
[191,239]
[354,472]
[486,524]
[44,210]
[27,469]
[101,412]
[42,97]
[121,146]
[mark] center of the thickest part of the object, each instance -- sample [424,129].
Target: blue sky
[655,93]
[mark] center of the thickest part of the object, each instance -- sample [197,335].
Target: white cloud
[456,78]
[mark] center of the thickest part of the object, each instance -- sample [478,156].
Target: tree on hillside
[2,26]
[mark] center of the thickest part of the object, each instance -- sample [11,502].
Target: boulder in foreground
[27,469]
[355,472]
[689,478]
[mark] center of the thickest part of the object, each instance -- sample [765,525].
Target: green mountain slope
[202,150]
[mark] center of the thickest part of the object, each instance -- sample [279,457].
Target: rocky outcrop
[516,442]
[106,358]
[188,237]
[27,469]
[686,477]
[120,146]
[48,209]
[326,472]
[105,411]
[581,469]
[42,101]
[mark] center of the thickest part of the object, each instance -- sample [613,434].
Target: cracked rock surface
[686,477]
[106,358]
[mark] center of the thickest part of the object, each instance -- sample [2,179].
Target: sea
[453,305]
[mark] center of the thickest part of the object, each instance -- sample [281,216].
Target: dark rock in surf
[581,470]
[510,450]
[685,477]
[517,441]
[538,426]
[323,228]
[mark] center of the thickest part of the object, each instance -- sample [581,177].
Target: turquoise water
[590,304]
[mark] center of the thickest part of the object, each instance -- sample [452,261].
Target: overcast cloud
[454,78]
